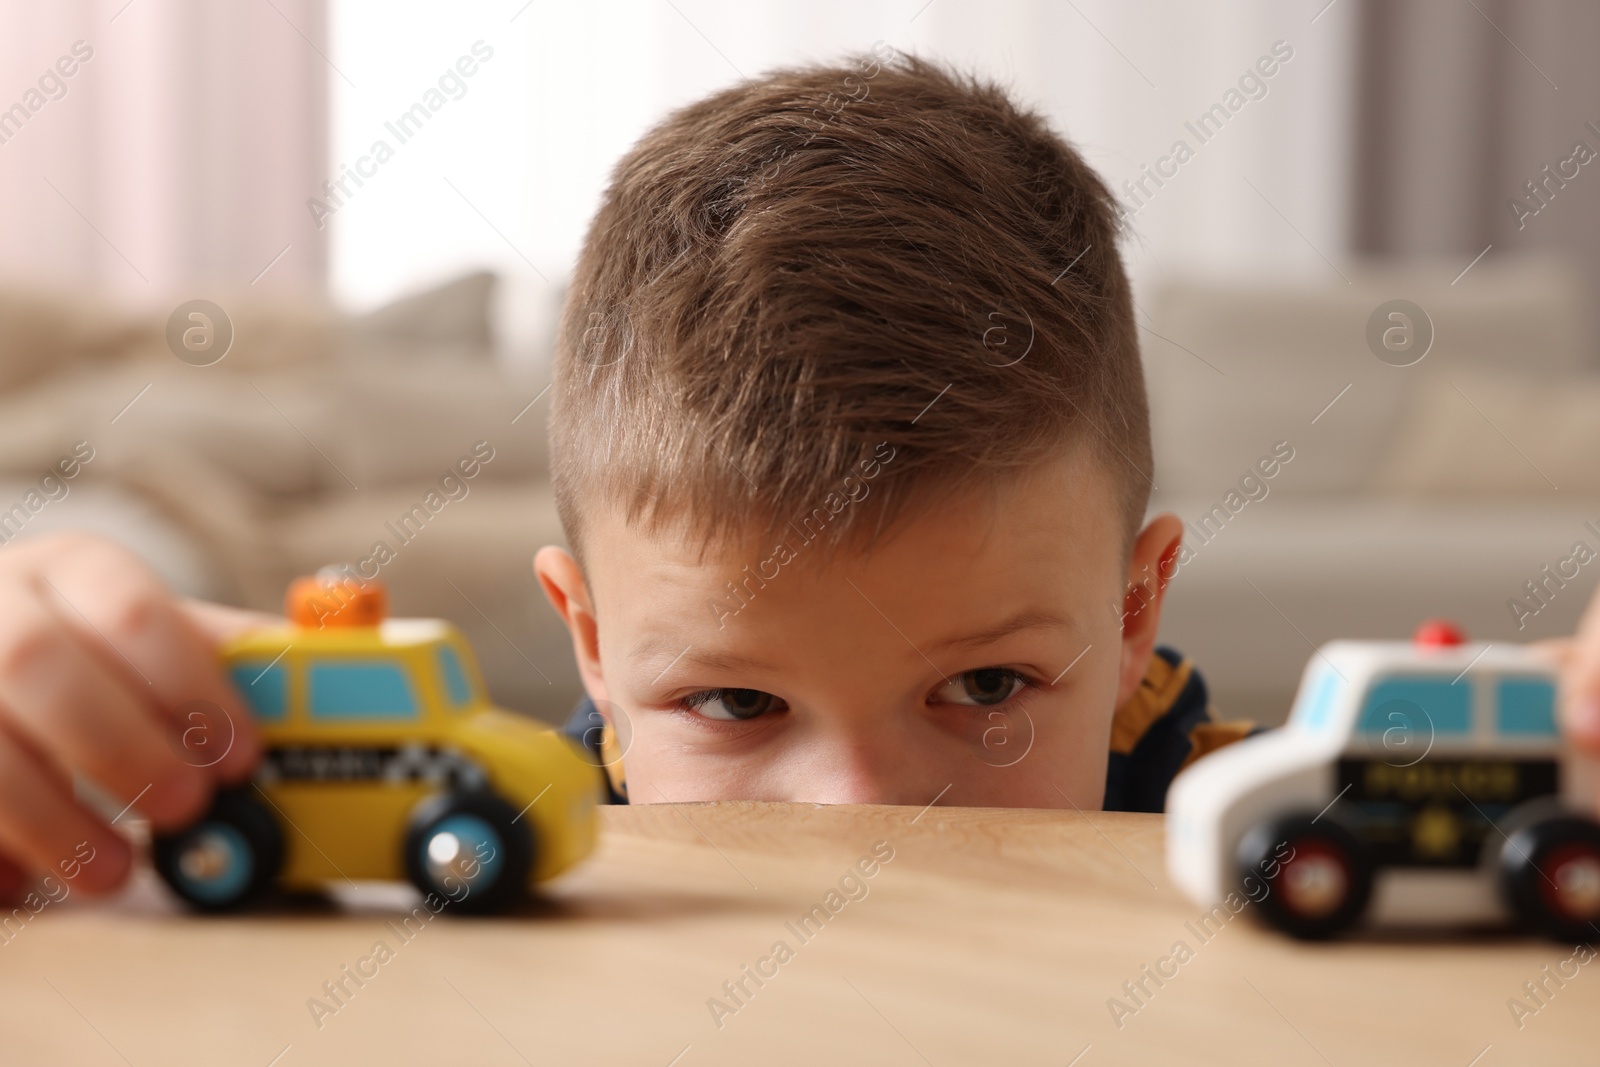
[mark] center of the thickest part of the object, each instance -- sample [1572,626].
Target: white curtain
[177,154]
[1462,106]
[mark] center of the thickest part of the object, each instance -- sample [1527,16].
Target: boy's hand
[1580,683]
[103,672]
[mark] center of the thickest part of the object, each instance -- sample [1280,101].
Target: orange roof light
[335,598]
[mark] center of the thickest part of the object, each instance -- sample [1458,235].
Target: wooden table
[990,937]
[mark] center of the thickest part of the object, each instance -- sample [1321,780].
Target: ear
[562,580]
[1151,565]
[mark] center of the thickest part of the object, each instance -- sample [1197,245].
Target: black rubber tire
[1527,878]
[1284,908]
[516,839]
[239,815]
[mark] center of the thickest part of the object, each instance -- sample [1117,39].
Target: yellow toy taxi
[383,759]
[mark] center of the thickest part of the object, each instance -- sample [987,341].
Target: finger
[1580,683]
[219,623]
[14,883]
[44,827]
[63,701]
[120,608]
[1556,651]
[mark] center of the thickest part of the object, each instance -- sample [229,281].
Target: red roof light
[1439,633]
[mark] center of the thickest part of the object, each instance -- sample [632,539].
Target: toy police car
[1417,782]
[383,759]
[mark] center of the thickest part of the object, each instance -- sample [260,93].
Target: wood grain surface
[991,937]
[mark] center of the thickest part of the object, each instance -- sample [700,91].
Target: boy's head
[850,442]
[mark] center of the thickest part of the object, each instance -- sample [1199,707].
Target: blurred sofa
[1437,489]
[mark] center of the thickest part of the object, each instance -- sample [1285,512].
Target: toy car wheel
[1550,872]
[469,849]
[231,854]
[1317,875]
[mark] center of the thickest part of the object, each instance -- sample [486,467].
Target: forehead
[1030,547]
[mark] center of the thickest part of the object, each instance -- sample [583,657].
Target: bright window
[508,170]
[1422,705]
[455,679]
[1527,707]
[361,689]
[1316,710]
[264,686]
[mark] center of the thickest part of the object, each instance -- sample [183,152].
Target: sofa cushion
[1473,432]
[1281,351]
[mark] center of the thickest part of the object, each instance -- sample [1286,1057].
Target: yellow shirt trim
[1158,690]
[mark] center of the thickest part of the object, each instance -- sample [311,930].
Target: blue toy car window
[360,689]
[455,679]
[1422,705]
[1322,694]
[1526,707]
[264,686]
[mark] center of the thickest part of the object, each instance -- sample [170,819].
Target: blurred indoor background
[391,307]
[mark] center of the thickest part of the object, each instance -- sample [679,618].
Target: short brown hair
[796,269]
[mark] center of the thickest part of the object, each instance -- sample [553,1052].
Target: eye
[732,705]
[982,687]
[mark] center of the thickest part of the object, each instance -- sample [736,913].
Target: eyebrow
[708,659]
[1032,619]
